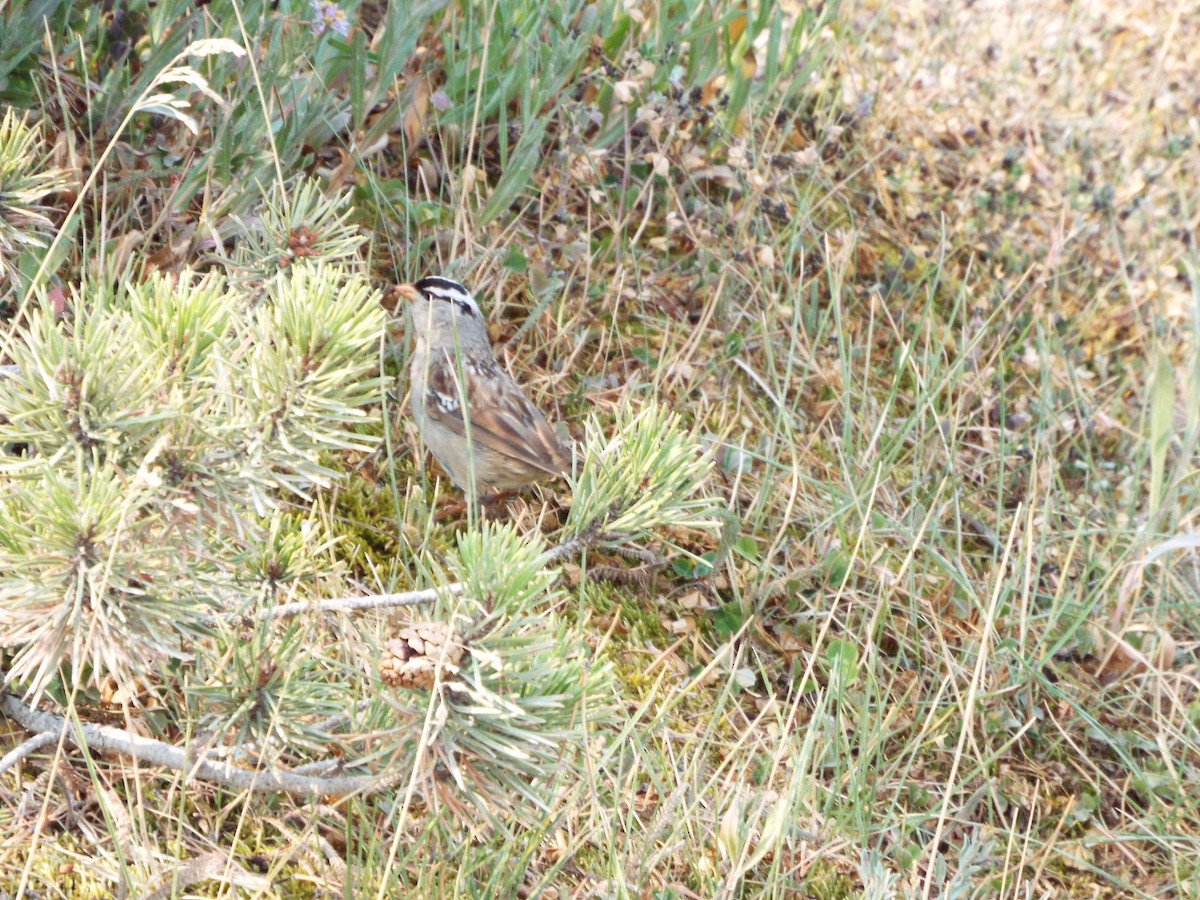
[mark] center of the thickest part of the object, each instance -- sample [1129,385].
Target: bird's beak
[390,301]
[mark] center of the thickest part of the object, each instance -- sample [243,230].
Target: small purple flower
[329,15]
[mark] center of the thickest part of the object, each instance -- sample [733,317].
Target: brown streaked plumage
[511,444]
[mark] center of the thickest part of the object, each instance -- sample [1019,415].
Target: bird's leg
[452,510]
[490,505]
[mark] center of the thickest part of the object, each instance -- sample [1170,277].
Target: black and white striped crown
[437,288]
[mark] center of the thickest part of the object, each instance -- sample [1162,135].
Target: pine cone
[411,659]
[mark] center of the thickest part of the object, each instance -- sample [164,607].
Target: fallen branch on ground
[106,739]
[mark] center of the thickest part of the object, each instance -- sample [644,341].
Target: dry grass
[917,297]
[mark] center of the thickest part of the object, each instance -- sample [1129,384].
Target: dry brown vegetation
[928,297]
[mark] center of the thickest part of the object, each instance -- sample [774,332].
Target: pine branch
[355,604]
[107,739]
[563,551]
[50,728]
[507,721]
[33,745]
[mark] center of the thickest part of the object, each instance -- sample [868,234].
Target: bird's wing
[501,418]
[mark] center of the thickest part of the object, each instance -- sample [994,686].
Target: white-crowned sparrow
[469,411]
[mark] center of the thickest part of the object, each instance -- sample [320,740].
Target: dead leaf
[624,91]
[58,301]
[737,25]
[685,625]
[343,171]
[680,371]
[414,112]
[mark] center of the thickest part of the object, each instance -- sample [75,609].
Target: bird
[471,414]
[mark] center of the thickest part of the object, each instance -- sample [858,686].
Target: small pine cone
[411,658]
[118,694]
